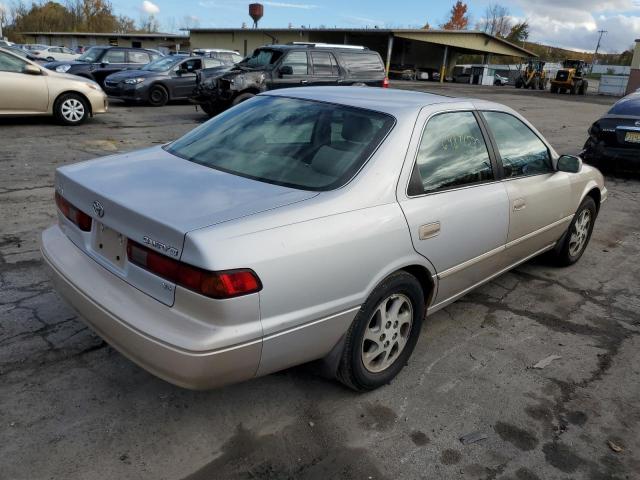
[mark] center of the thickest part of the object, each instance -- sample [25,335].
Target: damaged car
[282,66]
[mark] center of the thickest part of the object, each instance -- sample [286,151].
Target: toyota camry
[310,224]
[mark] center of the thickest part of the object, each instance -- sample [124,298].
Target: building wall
[73,41]
[245,41]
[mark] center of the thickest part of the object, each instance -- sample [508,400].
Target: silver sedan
[310,224]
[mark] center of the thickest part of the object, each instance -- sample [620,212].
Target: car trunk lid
[155,198]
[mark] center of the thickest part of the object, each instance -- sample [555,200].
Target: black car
[99,62]
[282,66]
[614,139]
[168,78]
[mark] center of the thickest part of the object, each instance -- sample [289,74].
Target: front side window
[521,151]
[262,58]
[293,142]
[9,63]
[192,65]
[92,55]
[452,154]
[298,62]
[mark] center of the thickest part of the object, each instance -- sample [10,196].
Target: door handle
[519,204]
[429,230]
[304,82]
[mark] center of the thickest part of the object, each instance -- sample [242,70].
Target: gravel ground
[73,408]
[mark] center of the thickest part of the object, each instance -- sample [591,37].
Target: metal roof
[443,37]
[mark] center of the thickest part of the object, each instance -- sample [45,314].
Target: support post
[443,69]
[389,49]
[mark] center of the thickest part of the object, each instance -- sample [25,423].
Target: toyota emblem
[98,209]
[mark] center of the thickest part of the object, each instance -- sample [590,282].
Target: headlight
[63,68]
[134,81]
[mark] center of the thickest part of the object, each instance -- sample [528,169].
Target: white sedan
[53,54]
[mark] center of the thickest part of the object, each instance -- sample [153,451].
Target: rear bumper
[89,289]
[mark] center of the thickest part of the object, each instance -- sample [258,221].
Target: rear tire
[578,234]
[241,98]
[383,334]
[71,109]
[158,96]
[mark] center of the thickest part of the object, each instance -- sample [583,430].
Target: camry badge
[98,209]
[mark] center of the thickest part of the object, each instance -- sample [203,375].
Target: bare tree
[496,20]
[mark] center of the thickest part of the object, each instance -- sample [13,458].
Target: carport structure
[428,49]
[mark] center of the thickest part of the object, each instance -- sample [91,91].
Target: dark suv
[99,62]
[282,66]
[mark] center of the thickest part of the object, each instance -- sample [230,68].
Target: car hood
[152,193]
[73,63]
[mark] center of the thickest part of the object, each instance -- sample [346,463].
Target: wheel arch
[594,193]
[75,92]
[159,83]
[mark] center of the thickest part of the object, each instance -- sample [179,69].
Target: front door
[300,72]
[114,60]
[539,196]
[21,92]
[183,80]
[456,208]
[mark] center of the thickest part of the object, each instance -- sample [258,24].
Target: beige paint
[235,40]
[635,62]
[75,40]
[477,42]
[35,94]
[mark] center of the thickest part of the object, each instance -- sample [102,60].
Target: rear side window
[115,56]
[138,57]
[521,151]
[362,62]
[452,154]
[292,142]
[324,65]
[298,62]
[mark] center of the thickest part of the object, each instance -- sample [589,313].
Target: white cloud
[303,6]
[574,24]
[150,7]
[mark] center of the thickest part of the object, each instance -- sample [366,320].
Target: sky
[571,24]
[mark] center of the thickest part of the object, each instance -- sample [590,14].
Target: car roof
[387,100]
[318,46]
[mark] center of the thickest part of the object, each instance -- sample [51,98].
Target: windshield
[262,58]
[91,55]
[292,142]
[163,63]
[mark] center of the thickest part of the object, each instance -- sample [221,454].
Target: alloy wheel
[387,333]
[580,233]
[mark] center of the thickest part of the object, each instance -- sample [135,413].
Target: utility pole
[595,54]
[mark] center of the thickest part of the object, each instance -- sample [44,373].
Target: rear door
[539,196]
[456,208]
[325,69]
[300,76]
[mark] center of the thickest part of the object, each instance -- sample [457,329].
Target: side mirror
[104,63]
[31,70]
[286,70]
[569,164]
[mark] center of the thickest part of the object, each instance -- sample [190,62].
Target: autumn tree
[459,19]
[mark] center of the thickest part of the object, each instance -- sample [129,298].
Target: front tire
[383,334]
[578,235]
[158,96]
[71,109]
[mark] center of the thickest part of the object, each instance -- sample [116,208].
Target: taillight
[79,218]
[225,284]
[385,83]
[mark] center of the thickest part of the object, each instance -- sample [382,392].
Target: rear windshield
[296,143]
[363,62]
[629,105]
